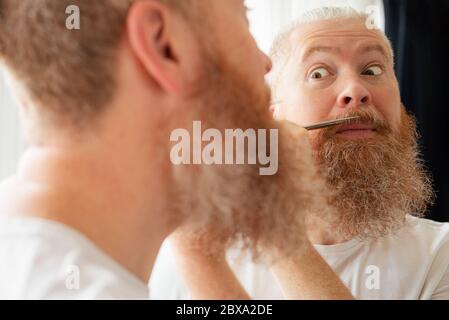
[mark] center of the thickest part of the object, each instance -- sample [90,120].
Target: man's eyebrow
[364,49]
[312,50]
[378,48]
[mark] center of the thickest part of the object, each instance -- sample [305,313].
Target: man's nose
[354,95]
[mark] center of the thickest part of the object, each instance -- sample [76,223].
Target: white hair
[331,13]
[283,46]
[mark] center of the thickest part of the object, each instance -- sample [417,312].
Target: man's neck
[98,194]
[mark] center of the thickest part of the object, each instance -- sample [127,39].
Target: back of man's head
[66,73]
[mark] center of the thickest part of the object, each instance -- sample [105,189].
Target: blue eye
[372,71]
[319,73]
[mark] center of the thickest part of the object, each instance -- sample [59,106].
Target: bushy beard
[233,204]
[377,181]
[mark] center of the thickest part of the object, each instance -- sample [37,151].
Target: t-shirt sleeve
[442,290]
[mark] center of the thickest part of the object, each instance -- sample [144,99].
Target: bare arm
[303,277]
[207,276]
[308,277]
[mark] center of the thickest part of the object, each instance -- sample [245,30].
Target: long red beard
[375,182]
[235,203]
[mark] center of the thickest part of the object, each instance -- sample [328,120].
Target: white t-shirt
[411,264]
[41,259]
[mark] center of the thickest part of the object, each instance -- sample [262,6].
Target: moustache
[366,117]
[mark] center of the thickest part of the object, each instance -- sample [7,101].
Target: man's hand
[306,275]
[320,228]
[206,274]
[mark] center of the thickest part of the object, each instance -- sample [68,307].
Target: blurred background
[419,30]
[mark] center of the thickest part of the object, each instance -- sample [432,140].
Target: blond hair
[67,74]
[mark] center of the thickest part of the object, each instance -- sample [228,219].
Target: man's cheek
[393,117]
[322,106]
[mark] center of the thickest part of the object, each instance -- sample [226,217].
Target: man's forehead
[344,45]
[337,37]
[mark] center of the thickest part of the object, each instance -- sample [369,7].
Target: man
[96,192]
[331,65]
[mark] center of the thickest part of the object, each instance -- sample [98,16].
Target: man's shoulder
[46,260]
[427,229]
[422,238]
[429,242]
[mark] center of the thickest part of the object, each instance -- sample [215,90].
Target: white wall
[11,144]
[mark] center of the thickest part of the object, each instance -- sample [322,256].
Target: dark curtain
[419,32]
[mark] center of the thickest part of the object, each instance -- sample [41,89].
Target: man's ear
[152,29]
